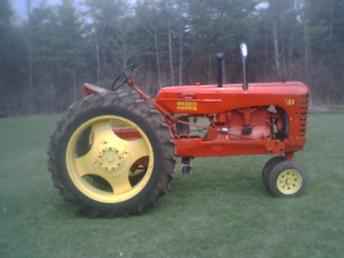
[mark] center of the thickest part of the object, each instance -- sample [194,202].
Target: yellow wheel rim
[289,181]
[104,171]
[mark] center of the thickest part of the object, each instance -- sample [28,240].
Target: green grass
[221,210]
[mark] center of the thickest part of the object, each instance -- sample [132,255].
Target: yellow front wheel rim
[289,181]
[109,160]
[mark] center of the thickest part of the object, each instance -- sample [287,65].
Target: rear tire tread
[128,100]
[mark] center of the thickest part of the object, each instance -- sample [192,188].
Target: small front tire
[285,179]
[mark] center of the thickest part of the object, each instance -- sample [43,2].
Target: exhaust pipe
[244,53]
[219,57]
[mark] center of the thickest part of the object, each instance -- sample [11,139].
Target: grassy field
[221,210]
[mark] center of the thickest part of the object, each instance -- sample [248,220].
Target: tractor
[114,152]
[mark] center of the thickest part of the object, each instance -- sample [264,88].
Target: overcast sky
[20,5]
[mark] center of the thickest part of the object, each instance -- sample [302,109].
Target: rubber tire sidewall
[268,167]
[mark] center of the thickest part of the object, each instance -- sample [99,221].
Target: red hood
[212,99]
[267,88]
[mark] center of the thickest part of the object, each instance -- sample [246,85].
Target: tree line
[49,53]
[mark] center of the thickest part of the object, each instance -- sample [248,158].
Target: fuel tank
[210,99]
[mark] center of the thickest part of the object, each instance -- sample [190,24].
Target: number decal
[290,101]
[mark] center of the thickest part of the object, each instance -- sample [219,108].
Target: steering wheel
[122,78]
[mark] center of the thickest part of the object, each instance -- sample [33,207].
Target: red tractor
[115,151]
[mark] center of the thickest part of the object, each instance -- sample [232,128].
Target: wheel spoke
[103,134]
[85,164]
[118,179]
[120,184]
[137,149]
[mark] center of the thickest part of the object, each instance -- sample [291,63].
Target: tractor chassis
[219,144]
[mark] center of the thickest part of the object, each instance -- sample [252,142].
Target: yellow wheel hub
[110,158]
[289,181]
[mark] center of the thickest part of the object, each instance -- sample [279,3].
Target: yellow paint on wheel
[110,158]
[289,181]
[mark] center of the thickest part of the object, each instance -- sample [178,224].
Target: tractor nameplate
[187,105]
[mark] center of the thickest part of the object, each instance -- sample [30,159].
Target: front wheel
[111,156]
[285,178]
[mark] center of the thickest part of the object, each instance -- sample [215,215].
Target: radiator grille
[303,107]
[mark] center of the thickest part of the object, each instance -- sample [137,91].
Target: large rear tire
[101,169]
